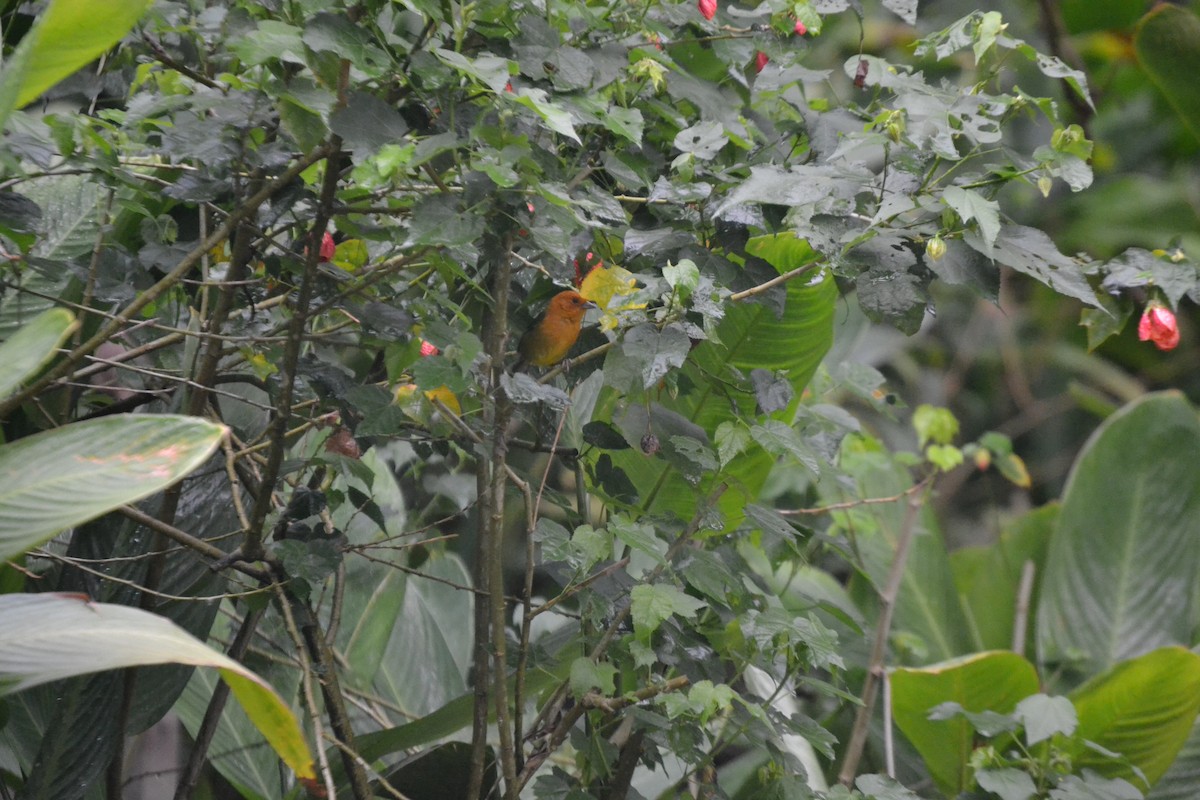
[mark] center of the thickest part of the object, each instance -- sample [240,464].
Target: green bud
[935,248]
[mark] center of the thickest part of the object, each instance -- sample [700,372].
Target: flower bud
[935,248]
[1158,325]
[327,247]
[708,8]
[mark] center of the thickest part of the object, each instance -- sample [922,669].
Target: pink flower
[428,349]
[760,61]
[327,247]
[708,8]
[1158,325]
[801,28]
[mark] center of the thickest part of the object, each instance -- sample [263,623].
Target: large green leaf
[1182,779]
[988,578]
[50,636]
[1167,43]
[427,658]
[71,220]
[32,346]
[1143,709]
[994,681]
[63,477]
[65,37]
[1120,577]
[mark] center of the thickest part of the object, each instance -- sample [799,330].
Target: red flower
[327,247]
[708,8]
[760,61]
[428,349]
[801,28]
[1158,325]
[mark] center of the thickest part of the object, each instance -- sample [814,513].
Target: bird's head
[570,305]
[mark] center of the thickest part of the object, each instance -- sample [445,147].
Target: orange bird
[549,341]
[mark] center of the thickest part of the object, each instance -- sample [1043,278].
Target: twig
[1024,596]
[303,645]
[187,540]
[865,501]
[887,602]
[762,287]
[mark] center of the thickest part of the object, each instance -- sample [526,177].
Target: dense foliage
[715,552]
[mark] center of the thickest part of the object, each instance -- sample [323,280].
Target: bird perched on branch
[552,337]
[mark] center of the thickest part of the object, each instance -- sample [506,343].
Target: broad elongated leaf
[1143,709]
[994,681]
[32,346]
[988,578]
[68,228]
[97,466]
[1120,576]
[1182,779]
[69,35]
[1167,43]
[51,636]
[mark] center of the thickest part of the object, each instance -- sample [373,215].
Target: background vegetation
[859,482]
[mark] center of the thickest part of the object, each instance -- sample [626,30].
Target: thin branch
[1021,612]
[887,602]
[187,540]
[916,488]
[784,278]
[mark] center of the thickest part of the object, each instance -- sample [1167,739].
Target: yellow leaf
[606,286]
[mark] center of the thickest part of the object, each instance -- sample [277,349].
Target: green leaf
[33,345]
[652,604]
[1143,709]
[1008,783]
[779,439]
[271,40]
[1167,43]
[587,675]
[67,36]
[638,536]
[557,118]
[1032,252]
[881,787]
[627,123]
[99,465]
[1120,574]
[1182,779]
[971,205]
[1043,716]
[655,352]
[988,578]
[54,636]
[994,681]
